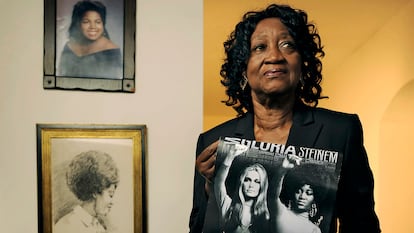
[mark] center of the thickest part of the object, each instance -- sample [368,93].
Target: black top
[315,128]
[102,64]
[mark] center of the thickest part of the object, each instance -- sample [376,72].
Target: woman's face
[91,25]
[104,200]
[274,65]
[251,184]
[304,198]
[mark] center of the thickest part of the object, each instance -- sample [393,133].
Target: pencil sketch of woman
[92,176]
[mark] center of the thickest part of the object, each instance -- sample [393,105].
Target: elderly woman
[272,76]
[93,177]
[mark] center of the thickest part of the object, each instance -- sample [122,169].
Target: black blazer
[318,128]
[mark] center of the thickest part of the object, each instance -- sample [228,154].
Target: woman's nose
[274,55]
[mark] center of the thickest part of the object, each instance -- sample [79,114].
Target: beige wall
[376,81]
[168,100]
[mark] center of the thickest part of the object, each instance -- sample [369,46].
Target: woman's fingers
[206,160]
[294,159]
[209,173]
[206,167]
[291,161]
[207,152]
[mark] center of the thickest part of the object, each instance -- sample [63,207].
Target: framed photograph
[91,178]
[89,45]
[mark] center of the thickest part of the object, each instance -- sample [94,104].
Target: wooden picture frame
[120,24]
[60,148]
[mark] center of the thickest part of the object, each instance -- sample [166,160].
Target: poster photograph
[267,187]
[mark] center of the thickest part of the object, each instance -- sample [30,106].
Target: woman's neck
[89,206]
[248,203]
[272,122]
[84,47]
[304,214]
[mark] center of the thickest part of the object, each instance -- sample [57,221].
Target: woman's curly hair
[237,50]
[90,173]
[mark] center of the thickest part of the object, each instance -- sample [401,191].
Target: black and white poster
[263,187]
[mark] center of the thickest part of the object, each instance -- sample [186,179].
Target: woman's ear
[244,81]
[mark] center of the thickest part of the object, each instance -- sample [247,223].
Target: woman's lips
[274,72]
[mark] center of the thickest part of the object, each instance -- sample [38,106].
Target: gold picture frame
[59,145]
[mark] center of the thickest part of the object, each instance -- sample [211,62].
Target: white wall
[168,100]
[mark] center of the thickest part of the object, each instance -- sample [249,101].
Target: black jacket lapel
[305,129]
[244,127]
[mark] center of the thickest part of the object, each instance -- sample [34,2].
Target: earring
[302,81]
[243,82]
[313,210]
[318,222]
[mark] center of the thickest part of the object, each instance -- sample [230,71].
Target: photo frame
[115,152]
[120,24]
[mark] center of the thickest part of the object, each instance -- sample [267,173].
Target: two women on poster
[269,188]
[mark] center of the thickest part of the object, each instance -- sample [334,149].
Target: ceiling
[344,26]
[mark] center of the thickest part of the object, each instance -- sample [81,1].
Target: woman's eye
[287,45]
[258,47]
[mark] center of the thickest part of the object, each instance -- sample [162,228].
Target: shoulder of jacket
[336,119]
[225,126]
[324,112]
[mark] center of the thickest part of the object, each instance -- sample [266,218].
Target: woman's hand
[291,161]
[206,160]
[235,150]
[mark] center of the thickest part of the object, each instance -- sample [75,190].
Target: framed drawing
[89,45]
[91,178]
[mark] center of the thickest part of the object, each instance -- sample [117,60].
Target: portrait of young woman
[89,39]
[245,208]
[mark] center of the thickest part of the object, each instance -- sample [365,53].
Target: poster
[266,187]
